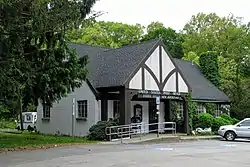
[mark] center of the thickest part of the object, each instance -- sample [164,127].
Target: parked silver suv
[239,130]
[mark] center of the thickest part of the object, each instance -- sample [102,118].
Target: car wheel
[230,136]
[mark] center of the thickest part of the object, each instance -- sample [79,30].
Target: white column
[161,116]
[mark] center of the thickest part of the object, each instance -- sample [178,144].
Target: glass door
[153,116]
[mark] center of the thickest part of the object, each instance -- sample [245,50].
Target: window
[82,109]
[218,112]
[200,108]
[245,123]
[116,109]
[180,110]
[28,118]
[46,111]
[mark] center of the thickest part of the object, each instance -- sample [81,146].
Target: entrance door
[153,117]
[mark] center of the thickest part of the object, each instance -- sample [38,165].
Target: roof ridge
[143,42]
[85,44]
[136,44]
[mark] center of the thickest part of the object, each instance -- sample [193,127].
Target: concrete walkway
[161,138]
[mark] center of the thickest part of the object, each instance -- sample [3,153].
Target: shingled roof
[111,67]
[202,89]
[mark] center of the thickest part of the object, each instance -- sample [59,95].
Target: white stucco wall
[153,63]
[61,114]
[145,115]
[136,81]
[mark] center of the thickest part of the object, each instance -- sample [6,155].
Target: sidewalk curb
[200,137]
[165,139]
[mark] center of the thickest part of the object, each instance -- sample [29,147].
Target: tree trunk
[20,113]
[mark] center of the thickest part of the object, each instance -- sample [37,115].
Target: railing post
[140,131]
[158,124]
[110,132]
[130,130]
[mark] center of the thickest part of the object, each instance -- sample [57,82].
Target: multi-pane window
[200,108]
[180,110]
[218,112]
[82,109]
[46,111]
[116,109]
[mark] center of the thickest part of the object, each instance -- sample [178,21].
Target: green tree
[36,62]
[209,67]
[154,26]
[229,37]
[192,56]
[171,38]
[107,34]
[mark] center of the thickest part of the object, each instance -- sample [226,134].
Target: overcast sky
[173,13]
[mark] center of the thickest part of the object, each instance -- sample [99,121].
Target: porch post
[125,107]
[186,116]
[104,106]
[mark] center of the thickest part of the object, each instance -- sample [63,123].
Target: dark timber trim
[125,106]
[167,78]
[160,63]
[143,78]
[97,95]
[177,81]
[177,68]
[162,81]
[153,75]
[157,44]
[186,115]
[104,106]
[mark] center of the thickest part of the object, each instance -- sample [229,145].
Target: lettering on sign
[152,92]
[152,96]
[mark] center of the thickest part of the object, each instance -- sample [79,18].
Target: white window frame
[200,108]
[218,112]
[82,108]
[180,109]
[46,111]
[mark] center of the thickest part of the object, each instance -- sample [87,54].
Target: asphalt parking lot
[189,154]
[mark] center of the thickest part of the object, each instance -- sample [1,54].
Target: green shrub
[227,117]
[234,121]
[203,120]
[206,120]
[7,124]
[4,112]
[97,131]
[220,121]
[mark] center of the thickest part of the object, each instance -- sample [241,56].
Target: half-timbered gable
[158,72]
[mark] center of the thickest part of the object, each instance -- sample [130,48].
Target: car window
[245,123]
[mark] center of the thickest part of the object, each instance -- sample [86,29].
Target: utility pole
[73,116]
[21,110]
[158,102]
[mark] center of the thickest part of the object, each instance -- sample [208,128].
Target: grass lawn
[31,140]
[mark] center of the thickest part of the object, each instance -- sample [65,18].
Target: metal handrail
[127,130]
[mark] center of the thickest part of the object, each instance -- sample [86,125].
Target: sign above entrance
[159,95]
[153,92]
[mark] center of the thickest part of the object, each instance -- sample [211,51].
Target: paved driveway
[185,154]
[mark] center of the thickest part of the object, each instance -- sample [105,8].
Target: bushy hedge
[206,120]
[97,131]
